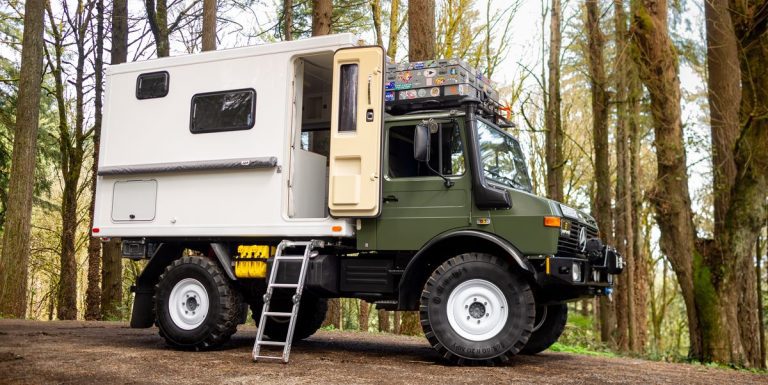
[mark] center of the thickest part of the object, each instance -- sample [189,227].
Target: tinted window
[446,152]
[152,85]
[348,98]
[223,111]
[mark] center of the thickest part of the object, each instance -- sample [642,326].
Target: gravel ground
[64,352]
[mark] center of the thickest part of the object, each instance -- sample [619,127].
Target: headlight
[576,272]
[569,211]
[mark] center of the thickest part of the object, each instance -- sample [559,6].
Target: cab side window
[446,152]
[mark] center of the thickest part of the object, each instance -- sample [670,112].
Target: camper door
[356,124]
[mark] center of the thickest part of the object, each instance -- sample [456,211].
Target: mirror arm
[447,182]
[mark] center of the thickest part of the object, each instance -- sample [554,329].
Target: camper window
[152,85]
[223,111]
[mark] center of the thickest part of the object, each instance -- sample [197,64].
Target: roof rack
[441,85]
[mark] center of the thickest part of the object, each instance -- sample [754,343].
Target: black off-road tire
[549,329]
[449,344]
[311,316]
[224,310]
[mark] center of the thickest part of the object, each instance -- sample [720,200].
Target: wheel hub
[188,304]
[477,310]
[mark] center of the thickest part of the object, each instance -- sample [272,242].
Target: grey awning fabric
[197,165]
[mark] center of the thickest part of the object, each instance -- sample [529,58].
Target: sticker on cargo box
[408,94]
[422,93]
[389,86]
[418,65]
[389,96]
[430,73]
[403,86]
[405,76]
[434,91]
[439,81]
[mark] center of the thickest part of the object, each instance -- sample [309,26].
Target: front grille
[568,245]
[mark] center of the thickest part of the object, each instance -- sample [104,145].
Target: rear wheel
[475,310]
[311,315]
[549,326]
[195,304]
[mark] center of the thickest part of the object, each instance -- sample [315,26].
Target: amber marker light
[552,222]
[336,229]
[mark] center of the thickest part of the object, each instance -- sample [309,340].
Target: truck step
[272,343]
[277,314]
[285,285]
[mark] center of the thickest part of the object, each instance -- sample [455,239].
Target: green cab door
[417,205]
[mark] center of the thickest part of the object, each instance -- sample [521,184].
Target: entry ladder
[266,313]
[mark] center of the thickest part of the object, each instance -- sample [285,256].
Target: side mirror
[421,142]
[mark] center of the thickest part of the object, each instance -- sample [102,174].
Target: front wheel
[549,325]
[474,309]
[195,304]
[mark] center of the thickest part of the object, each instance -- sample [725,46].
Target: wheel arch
[447,245]
[143,313]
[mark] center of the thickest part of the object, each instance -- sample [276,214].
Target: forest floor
[66,352]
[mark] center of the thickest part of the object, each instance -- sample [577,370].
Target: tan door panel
[356,124]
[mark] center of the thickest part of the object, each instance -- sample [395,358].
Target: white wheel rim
[188,304]
[477,310]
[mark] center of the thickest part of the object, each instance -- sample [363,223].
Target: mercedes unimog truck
[278,176]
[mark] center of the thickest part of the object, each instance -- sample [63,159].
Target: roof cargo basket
[438,85]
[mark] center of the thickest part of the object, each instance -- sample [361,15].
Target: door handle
[390,198]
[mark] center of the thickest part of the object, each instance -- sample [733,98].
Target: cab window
[446,152]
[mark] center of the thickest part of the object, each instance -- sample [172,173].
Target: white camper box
[157,178]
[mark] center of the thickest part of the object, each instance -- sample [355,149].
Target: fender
[225,260]
[415,273]
[143,313]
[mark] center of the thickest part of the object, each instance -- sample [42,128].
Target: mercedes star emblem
[583,239]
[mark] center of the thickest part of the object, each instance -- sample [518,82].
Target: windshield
[502,159]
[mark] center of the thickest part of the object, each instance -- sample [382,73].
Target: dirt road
[111,353]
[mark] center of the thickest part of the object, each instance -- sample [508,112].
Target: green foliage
[576,349]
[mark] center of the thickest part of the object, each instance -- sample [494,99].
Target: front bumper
[565,278]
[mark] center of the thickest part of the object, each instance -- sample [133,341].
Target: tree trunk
[396,322]
[410,324]
[760,315]
[71,146]
[93,293]
[421,30]
[288,20]
[363,316]
[602,202]
[15,251]
[384,321]
[394,29]
[747,210]
[641,252]
[111,263]
[376,11]
[656,59]
[322,10]
[209,25]
[552,117]
[111,281]
[157,16]
[333,316]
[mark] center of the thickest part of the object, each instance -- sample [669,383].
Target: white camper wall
[235,202]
